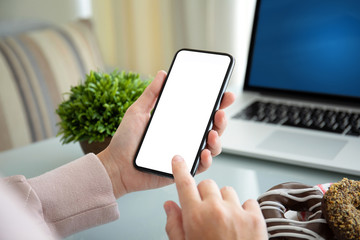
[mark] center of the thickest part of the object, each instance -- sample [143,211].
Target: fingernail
[178,158]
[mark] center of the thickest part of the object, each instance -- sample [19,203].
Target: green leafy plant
[95,108]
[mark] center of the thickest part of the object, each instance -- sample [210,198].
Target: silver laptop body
[304,61]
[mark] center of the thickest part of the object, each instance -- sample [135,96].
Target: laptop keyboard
[321,119]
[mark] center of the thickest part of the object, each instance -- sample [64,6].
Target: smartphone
[184,111]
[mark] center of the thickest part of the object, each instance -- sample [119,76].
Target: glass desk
[141,213]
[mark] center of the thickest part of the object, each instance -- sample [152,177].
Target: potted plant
[95,108]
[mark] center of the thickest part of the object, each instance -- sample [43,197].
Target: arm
[83,193]
[15,223]
[118,157]
[69,199]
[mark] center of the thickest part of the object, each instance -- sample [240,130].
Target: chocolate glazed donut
[297,197]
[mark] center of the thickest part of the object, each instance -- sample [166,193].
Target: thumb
[174,227]
[150,94]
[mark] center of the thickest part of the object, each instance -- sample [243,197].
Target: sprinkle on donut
[296,197]
[341,209]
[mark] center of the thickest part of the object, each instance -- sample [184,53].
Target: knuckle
[217,152]
[168,228]
[217,209]
[252,201]
[219,213]
[131,109]
[257,221]
[227,189]
[186,182]
[206,183]
[196,218]
[224,121]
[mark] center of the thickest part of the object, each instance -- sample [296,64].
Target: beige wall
[143,35]
[58,11]
[136,35]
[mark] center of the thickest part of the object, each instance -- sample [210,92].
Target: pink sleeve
[71,198]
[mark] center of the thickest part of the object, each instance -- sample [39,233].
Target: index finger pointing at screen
[185,183]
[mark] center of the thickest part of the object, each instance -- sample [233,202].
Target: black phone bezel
[210,122]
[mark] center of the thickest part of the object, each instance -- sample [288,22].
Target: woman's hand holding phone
[119,155]
[184,111]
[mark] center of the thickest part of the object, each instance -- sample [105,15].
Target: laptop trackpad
[303,144]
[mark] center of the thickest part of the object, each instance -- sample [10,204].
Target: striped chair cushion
[36,68]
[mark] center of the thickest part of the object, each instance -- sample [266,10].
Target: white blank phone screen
[184,110]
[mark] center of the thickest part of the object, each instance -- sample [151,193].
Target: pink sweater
[61,202]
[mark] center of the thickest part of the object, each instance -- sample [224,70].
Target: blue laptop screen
[307,46]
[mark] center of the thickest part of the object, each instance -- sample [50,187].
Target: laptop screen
[306,46]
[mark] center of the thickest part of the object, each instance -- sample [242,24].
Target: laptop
[300,102]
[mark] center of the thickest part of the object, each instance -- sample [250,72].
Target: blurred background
[143,35]
[46,47]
